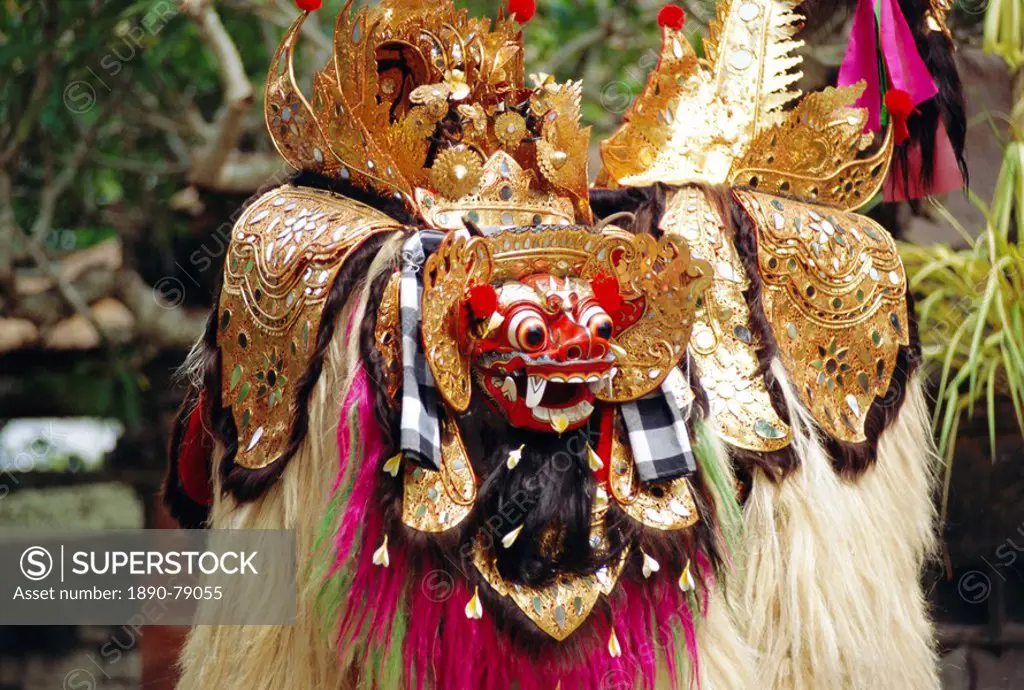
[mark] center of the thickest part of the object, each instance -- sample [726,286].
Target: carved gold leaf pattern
[751,47]
[725,119]
[813,153]
[668,507]
[447,274]
[503,198]
[562,137]
[723,345]
[284,254]
[648,147]
[670,281]
[373,124]
[694,118]
[293,127]
[387,336]
[835,297]
[437,501]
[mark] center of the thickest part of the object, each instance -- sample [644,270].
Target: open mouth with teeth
[546,397]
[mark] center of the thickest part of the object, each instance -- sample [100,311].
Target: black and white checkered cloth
[420,433]
[657,433]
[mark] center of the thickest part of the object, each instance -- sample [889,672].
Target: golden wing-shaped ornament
[695,118]
[563,135]
[647,148]
[360,123]
[456,265]
[834,292]
[290,119]
[285,253]
[813,153]
[751,47]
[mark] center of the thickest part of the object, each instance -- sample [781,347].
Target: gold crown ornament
[425,104]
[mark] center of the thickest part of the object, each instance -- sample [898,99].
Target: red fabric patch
[606,290]
[194,456]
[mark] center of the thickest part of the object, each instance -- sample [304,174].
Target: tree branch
[238,94]
[66,289]
[37,100]
[158,321]
[53,190]
[9,235]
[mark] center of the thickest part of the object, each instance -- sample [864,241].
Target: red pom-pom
[899,103]
[482,301]
[606,291]
[672,17]
[309,5]
[900,106]
[522,10]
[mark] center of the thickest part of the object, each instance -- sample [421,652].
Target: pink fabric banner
[861,63]
[907,70]
[906,67]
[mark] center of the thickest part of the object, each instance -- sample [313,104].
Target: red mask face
[544,363]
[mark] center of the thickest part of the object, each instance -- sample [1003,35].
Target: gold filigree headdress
[418,101]
[723,119]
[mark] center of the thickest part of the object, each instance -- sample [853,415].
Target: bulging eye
[596,320]
[527,331]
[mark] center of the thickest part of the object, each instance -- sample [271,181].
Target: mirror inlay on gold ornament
[835,297]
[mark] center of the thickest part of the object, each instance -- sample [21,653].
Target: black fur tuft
[549,495]
[948,107]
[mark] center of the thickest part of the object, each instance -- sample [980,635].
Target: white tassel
[651,566]
[509,539]
[381,556]
[474,610]
[393,464]
[614,649]
[686,582]
[514,456]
